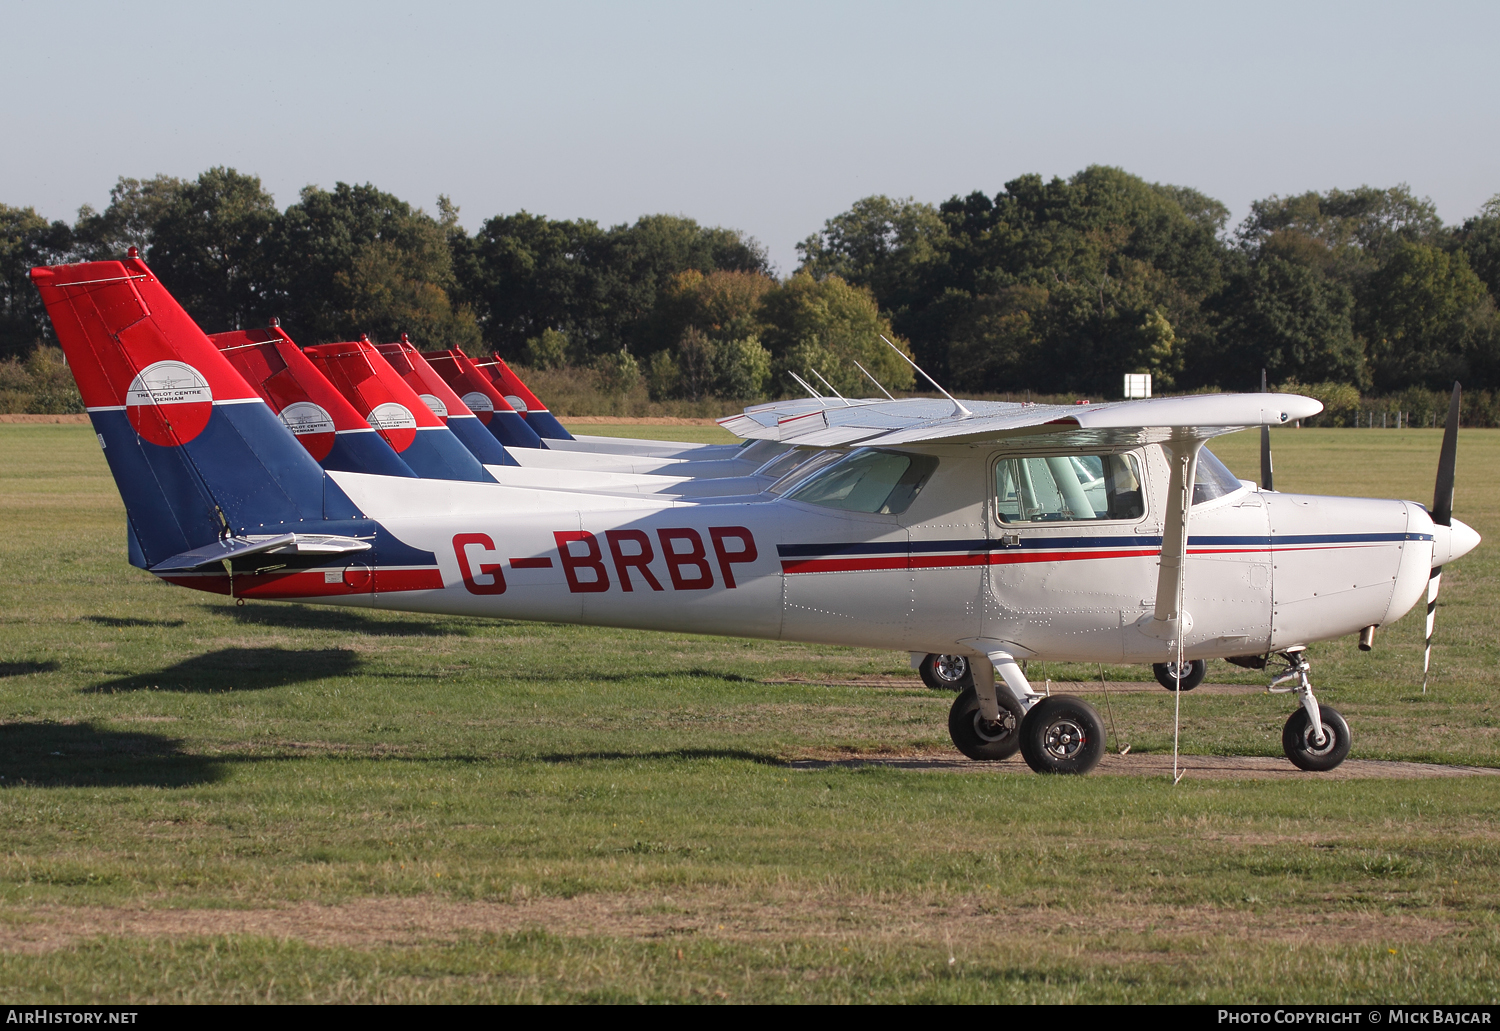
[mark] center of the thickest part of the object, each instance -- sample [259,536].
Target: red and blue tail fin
[398,414]
[198,456]
[484,399]
[524,401]
[322,420]
[462,422]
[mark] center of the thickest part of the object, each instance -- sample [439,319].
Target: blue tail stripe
[365,453]
[473,435]
[436,454]
[167,504]
[511,430]
[547,427]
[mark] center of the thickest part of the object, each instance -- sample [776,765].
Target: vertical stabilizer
[395,410]
[195,451]
[520,397]
[322,420]
[434,391]
[483,397]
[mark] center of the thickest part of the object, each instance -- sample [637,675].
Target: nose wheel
[1315,737]
[1302,746]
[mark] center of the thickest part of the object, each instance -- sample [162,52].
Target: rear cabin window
[880,482]
[1068,488]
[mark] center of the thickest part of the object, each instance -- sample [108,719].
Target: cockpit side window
[1068,488]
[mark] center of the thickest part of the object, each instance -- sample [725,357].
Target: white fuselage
[1265,571]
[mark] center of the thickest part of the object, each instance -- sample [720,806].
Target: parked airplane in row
[370,475]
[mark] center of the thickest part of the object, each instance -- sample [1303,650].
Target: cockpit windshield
[869,480]
[1212,479]
[797,473]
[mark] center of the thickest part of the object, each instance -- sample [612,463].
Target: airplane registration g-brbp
[992,532]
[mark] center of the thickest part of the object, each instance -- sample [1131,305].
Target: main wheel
[977,737]
[946,672]
[1062,734]
[1180,678]
[1297,740]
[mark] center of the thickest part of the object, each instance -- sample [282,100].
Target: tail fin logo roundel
[480,405]
[395,423]
[516,403]
[169,403]
[313,426]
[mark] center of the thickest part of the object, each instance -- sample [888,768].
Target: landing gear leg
[1060,734]
[985,720]
[1315,737]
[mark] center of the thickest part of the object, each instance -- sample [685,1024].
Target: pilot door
[1070,555]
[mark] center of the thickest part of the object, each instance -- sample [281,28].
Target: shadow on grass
[82,755]
[238,669]
[339,621]
[671,754]
[117,621]
[21,669]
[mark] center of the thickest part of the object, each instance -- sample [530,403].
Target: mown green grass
[166,751]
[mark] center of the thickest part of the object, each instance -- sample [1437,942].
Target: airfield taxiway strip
[1203,767]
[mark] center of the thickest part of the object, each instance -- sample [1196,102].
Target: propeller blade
[1442,514]
[1266,478]
[1442,496]
[1434,582]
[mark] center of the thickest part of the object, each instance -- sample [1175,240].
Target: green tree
[525,274]
[26,240]
[135,208]
[827,325]
[1480,239]
[355,260]
[208,244]
[1293,320]
[1425,311]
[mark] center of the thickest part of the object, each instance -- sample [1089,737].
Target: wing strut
[1168,620]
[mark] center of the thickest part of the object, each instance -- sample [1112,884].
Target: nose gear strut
[1315,736]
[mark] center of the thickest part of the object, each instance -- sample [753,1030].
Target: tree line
[1051,286]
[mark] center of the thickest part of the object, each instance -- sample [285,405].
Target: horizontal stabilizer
[243,547]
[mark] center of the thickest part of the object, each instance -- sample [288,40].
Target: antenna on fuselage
[958,408]
[830,386]
[872,379]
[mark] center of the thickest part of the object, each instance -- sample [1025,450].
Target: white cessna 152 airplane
[999,533]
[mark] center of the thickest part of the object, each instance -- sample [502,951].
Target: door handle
[1010,540]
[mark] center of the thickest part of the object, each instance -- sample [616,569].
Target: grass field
[202,802]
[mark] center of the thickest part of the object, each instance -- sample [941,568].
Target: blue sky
[765,117]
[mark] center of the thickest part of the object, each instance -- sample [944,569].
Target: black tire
[1297,740]
[1197,669]
[1062,734]
[978,740]
[946,672]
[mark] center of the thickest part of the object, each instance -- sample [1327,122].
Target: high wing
[880,423]
[1180,425]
